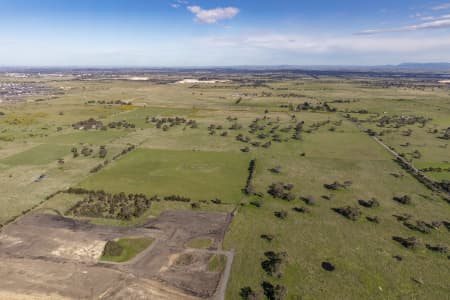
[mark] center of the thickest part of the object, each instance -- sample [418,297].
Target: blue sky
[222,33]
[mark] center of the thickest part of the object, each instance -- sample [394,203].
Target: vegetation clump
[257,203]
[277,292]
[99,204]
[282,191]
[373,219]
[273,263]
[402,217]
[121,124]
[446,134]
[89,125]
[177,198]
[166,123]
[337,185]
[372,203]
[124,249]
[87,151]
[419,226]
[327,266]
[301,209]
[409,243]
[437,248]
[112,248]
[282,214]
[245,149]
[275,170]
[402,199]
[102,152]
[309,200]
[401,121]
[267,237]
[352,213]
[247,293]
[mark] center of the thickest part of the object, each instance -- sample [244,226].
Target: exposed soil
[50,256]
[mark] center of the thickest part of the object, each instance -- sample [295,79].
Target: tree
[102,152]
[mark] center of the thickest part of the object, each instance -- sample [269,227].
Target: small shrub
[247,293]
[372,203]
[352,213]
[256,203]
[373,219]
[438,248]
[409,243]
[310,200]
[272,292]
[403,199]
[327,266]
[281,214]
[301,209]
[267,237]
[337,185]
[419,226]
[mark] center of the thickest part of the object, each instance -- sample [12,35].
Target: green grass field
[217,263]
[39,155]
[199,243]
[130,248]
[198,175]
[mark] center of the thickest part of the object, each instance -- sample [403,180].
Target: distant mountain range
[425,66]
[443,67]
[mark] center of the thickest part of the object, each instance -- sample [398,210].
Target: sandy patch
[189,81]
[17,296]
[9,241]
[138,78]
[75,250]
[444,81]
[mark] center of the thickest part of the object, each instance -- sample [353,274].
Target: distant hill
[425,66]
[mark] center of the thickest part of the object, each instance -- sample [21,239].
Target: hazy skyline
[222,33]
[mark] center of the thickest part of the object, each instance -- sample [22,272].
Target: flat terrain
[199,175]
[321,210]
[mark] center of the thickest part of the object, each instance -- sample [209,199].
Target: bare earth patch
[53,257]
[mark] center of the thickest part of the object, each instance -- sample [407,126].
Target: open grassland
[39,155]
[198,175]
[129,248]
[205,164]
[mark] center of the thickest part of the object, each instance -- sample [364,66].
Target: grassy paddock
[198,175]
[130,248]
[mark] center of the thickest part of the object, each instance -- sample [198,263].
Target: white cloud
[178,3]
[443,23]
[329,45]
[211,16]
[443,6]
[432,18]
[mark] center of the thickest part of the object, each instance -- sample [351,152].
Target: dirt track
[52,256]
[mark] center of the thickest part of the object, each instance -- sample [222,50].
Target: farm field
[301,171]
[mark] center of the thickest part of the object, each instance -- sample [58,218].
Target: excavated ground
[53,257]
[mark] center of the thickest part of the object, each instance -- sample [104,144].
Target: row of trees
[166,123]
[121,124]
[249,188]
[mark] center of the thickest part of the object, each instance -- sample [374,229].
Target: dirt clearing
[50,256]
